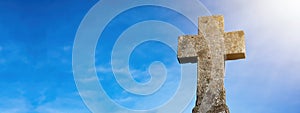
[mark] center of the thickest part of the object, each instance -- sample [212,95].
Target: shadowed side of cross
[210,48]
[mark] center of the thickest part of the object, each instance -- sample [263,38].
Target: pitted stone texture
[213,30]
[211,25]
[235,45]
[214,48]
[188,46]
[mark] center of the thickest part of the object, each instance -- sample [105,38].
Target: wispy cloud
[136,103]
[67,48]
[14,105]
[63,105]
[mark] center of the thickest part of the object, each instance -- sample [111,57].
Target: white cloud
[14,105]
[141,103]
[13,53]
[89,79]
[104,69]
[125,99]
[62,105]
[67,48]
[18,102]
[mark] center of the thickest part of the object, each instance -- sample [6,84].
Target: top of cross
[211,27]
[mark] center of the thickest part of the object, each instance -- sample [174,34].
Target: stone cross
[209,49]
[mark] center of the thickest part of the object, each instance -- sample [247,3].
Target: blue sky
[36,45]
[36,41]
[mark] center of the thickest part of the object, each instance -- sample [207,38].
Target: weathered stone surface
[210,48]
[188,47]
[235,45]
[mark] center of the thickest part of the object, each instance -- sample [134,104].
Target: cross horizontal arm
[235,45]
[189,46]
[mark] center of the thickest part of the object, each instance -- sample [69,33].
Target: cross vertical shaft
[209,49]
